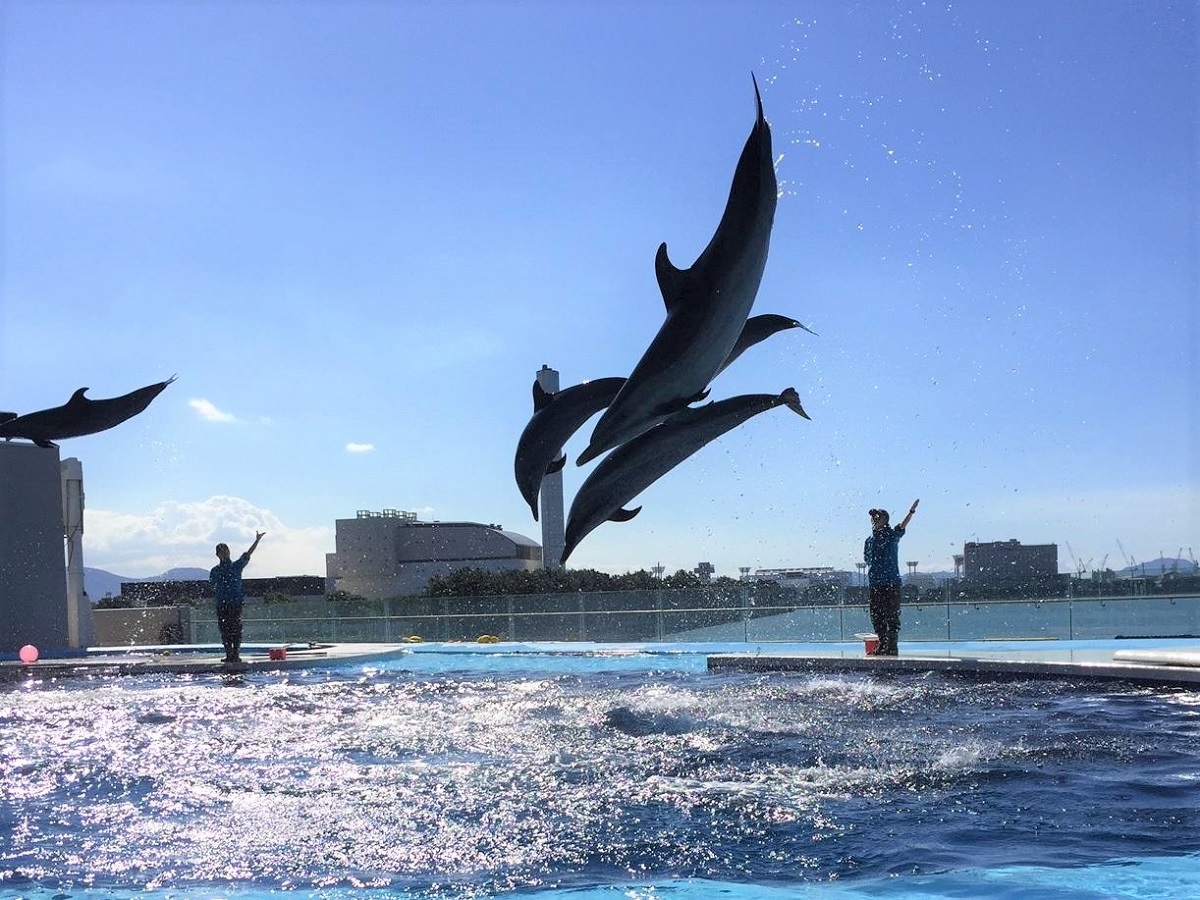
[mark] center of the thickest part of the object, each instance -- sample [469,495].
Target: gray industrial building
[388,554]
[42,602]
[1010,567]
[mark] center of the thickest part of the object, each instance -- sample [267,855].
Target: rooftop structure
[390,554]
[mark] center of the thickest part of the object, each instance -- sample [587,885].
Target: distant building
[387,554]
[804,577]
[1010,567]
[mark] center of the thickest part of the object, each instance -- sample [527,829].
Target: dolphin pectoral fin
[47,445]
[624,515]
[791,400]
[678,405]
[7,416]
[670,279]
[557,465]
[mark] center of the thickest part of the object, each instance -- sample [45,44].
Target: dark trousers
[885,617]
[229,621]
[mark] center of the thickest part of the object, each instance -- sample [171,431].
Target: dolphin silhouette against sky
[558,416]
[638,463]
[707,305]
[80,416]
[757,329]
[555,418]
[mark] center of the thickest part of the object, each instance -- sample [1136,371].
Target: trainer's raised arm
[258,536]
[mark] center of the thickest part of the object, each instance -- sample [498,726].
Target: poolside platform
[1151,661]
[198,659]
[1142,662]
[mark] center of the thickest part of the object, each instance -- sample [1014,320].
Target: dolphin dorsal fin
[541,397]
[670,278]
[78,397]
[624,515]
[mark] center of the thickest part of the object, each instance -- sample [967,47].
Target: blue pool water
[615,773]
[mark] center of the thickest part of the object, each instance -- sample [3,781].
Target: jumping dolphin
[80,416]
[758,329]
[558,416]
[555,418]
[638,463]
[707,305]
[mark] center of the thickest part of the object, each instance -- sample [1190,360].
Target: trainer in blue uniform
[881,552]
[226,580]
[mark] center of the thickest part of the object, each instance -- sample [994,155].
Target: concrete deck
[184,659]
[1147,661]
[1178,665]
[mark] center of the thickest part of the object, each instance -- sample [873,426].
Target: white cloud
[208,411]
[175,535]
[359,448]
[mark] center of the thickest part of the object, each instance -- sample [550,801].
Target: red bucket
[870,642]
[277,653]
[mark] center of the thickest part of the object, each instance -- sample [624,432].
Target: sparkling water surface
[603,773]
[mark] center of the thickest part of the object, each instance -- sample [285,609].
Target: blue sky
[356,230]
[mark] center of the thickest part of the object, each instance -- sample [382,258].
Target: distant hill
[98,582]
[1156,567]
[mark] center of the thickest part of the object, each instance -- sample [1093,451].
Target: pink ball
[29,653]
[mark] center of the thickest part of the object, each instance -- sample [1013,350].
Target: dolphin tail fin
[791,400]
[556,466]
[541,397]
[624,515]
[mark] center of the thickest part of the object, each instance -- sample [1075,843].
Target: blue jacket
[226,581]
[881,552]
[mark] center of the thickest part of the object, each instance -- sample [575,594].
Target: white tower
[553,527]
[79,608]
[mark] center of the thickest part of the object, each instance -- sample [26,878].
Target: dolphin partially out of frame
[638,463]
[558,416]
[79,416]
[707,305]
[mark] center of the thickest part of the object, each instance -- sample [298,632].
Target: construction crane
[1128,559]
[1078,565]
